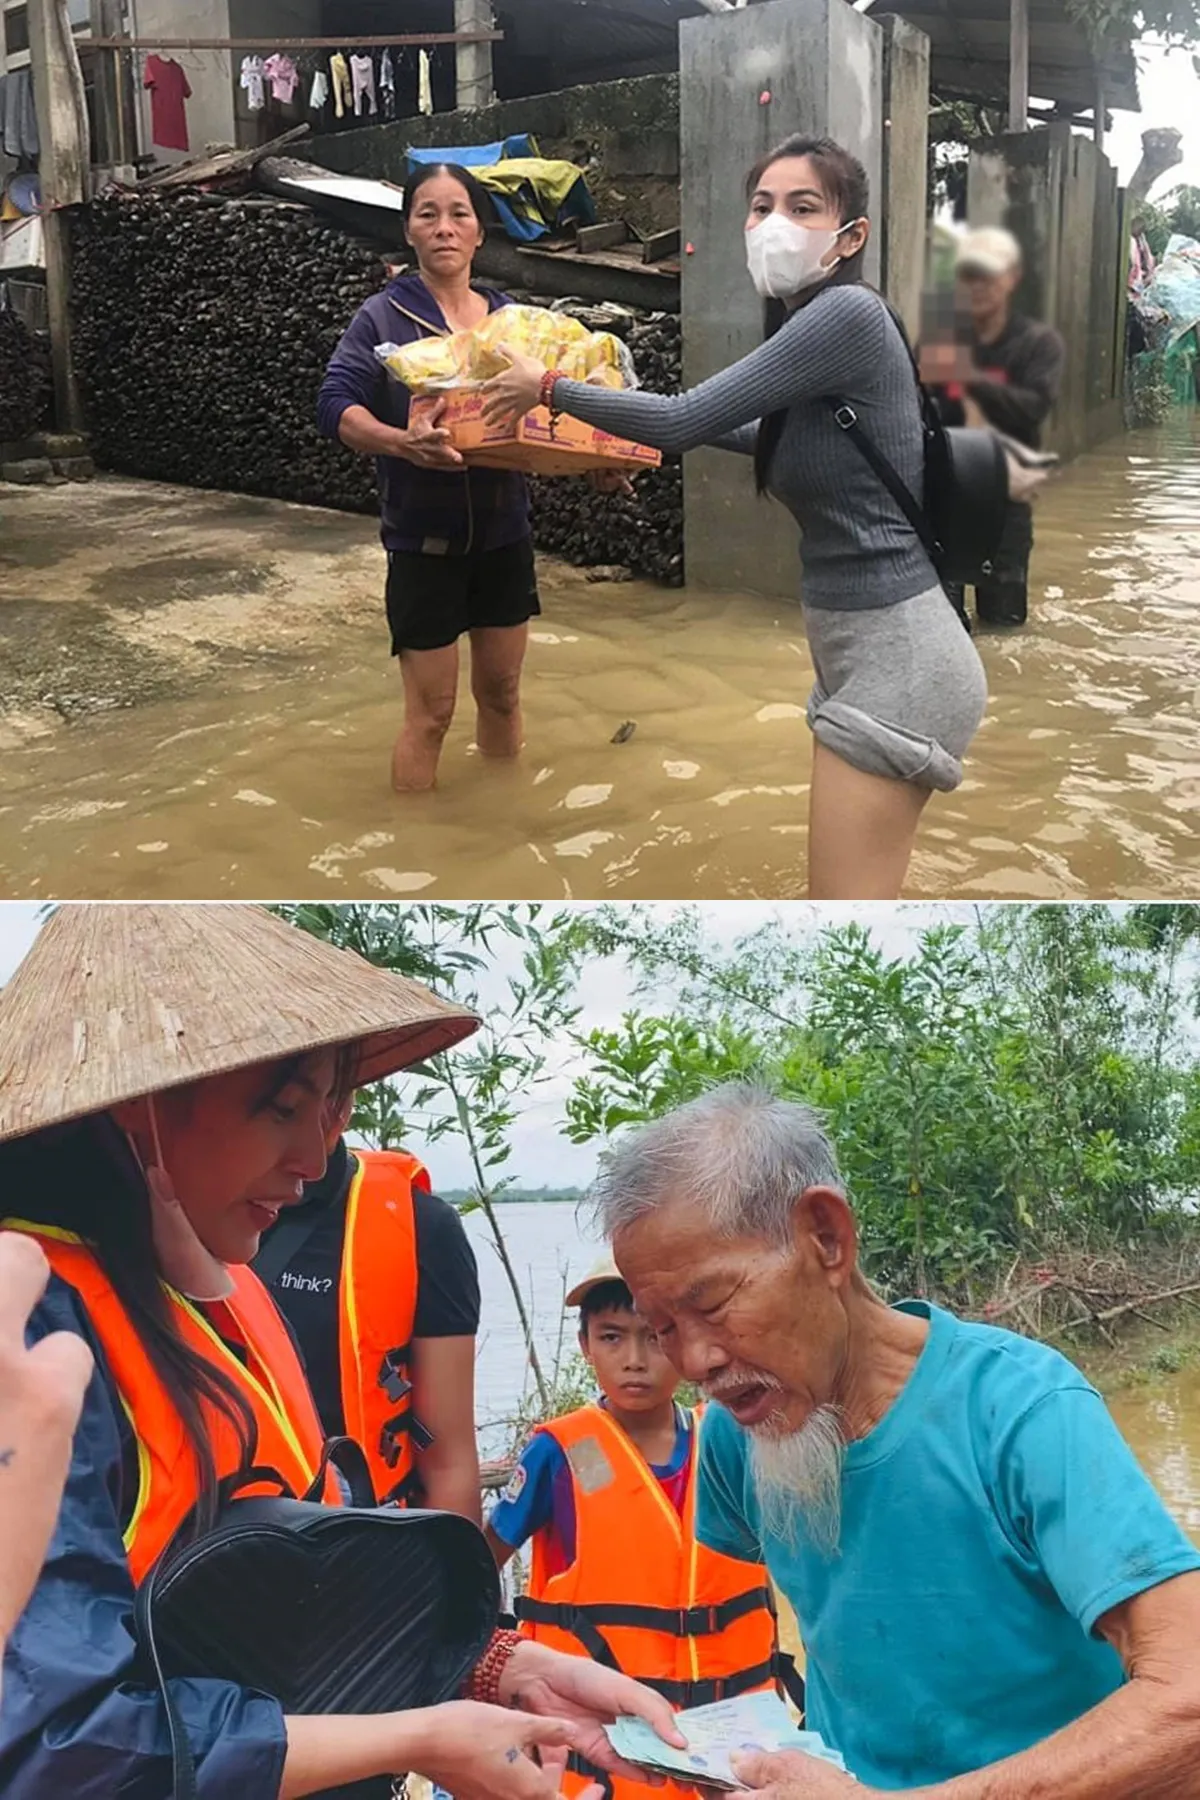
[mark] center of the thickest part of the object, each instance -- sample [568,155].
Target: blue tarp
[477,156]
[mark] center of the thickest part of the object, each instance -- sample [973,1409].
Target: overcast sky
[1170,91]
[541,1155]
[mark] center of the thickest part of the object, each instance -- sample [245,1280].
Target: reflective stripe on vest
[377,1311]
[271,1380]
[697,1626]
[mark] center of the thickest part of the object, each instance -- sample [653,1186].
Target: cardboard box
[536,444]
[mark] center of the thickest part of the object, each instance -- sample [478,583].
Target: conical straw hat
[114,1001]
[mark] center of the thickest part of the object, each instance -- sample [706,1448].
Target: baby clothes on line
[424,84]
[339,75]
[320,91]
[362,71]
[387,85]
[283,76]
[251,79]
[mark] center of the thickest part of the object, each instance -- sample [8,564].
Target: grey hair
[739,1152]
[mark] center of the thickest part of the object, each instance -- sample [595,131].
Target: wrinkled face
[759,1327]
[986,295]
[443,229]
[630,1365]
[239,1147]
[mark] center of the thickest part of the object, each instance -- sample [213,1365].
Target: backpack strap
[847,419]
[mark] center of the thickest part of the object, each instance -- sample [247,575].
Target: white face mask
[784,258]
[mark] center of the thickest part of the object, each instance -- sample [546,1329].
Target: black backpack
[329,1609]
[966,485]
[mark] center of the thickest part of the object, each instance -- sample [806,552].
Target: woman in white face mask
[899,690]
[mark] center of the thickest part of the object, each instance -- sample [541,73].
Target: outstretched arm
[825,347]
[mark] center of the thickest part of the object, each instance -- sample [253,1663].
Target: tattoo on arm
[6,1456]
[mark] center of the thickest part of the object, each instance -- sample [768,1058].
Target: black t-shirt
[306,1287]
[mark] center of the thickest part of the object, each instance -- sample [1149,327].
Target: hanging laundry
[362,72]
[387,85]
[320,91]
[425,84]
[283,76]
[251,79]
[169,94]
[18,118]
[339,75]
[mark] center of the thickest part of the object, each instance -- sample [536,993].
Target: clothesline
[413,39]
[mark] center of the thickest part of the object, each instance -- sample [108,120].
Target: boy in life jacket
[607,1495]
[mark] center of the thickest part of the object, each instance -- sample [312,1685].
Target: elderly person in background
[994,1602]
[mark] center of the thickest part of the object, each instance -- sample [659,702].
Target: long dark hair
[476,193]
[84,1178]
[845,185]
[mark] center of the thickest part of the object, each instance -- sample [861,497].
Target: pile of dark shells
[203,325]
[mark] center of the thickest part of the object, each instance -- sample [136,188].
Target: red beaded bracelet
[483,1683]
[546,391]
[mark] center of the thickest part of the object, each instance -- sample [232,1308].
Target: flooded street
[243,749]
[1162,1423]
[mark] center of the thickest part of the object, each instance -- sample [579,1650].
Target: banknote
[751,1722]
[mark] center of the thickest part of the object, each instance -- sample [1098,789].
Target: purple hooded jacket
[447,512]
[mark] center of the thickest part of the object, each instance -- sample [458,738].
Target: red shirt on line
[169,90]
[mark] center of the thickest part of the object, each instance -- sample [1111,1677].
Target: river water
[1084,781]
[549,1249]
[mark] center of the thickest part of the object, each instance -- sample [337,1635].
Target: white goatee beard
[798,1478]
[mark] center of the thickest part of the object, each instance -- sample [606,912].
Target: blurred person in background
[1006,375]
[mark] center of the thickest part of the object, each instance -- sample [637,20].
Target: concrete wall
[821,64]
[1058,193]
[625,132]
[899,208]
[210,109]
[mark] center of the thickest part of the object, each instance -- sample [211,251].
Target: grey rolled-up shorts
[900,690]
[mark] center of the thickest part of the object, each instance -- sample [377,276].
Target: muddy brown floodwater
[196,700]
[1162,1424]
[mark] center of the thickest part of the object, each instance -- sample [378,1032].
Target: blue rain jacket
[79,1715]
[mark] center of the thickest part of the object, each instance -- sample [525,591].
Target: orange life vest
[377,1311]
[642,1594]
[271,1380]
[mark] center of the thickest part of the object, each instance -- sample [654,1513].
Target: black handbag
[966,485]
[352,1609]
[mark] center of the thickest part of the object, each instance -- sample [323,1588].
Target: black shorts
[433,600]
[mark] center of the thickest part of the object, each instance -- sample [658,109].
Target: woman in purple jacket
[460,555]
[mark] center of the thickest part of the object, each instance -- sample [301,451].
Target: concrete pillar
[749,78]
[1018,65]
[901,212]
[63,173]
[473,62]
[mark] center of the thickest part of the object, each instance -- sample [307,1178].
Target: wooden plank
[224,163]
[1018,66]
[601,237]
[660,244]
[412,39]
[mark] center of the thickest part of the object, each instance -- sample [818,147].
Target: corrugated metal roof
[969,40]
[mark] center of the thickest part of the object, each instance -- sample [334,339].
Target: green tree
[1011,1085]
[478,1090]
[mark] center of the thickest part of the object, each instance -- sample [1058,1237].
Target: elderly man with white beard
[994,1602]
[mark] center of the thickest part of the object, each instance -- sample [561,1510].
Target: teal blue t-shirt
[989,1519]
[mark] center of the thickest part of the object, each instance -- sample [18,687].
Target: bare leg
[860,830]
[430,690]
[497,653]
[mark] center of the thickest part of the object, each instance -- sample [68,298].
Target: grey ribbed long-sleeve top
[857,549]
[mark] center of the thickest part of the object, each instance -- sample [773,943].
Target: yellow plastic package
[466,357]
